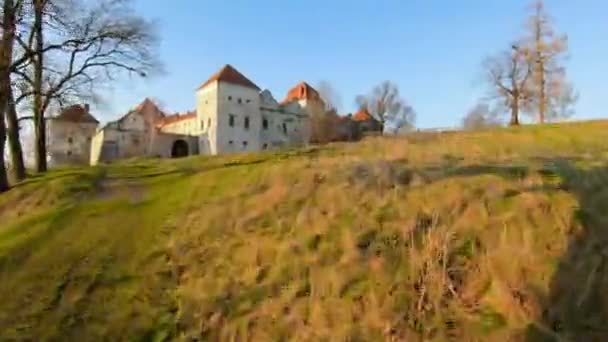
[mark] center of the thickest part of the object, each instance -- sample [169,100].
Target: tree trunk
[542,95]
[514,113]
[4,186]
[6,54]
[540,63]
[14,140]
[39,123]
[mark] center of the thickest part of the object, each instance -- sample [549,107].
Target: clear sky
[431,48]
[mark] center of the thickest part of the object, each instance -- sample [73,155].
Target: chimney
[86,108]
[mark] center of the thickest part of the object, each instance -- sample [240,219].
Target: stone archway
[179,149]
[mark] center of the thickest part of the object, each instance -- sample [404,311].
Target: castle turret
[228,112]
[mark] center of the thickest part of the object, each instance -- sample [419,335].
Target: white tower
[228,112]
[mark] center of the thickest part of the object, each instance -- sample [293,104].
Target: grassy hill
[490,235]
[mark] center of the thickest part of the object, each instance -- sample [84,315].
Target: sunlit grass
[433,236]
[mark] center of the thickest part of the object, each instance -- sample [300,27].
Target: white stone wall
[206,113]
[218,102]
[69,142]
[96,146]
[163,144]
[185,127]
[240,103]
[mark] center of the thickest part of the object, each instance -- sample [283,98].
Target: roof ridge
[230,74]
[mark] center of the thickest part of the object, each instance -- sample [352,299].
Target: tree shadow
[576,305]
[576,308]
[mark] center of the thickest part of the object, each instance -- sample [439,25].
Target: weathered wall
[240,102]
[162,146]
[185,127]
[96,147]
[112,143]
[69,142]
[206,112]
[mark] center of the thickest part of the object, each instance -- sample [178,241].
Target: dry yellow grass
[491,235]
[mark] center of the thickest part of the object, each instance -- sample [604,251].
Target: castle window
[231,120]
[229,98]
[244,144]
[230,142]
[284,128]
[265,146]
[209,123]
[248,100]
[202,124]
[240,100]
[69,153]
[70,140]
[246,122]
[265,123]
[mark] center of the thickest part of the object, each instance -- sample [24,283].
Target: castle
[232,114]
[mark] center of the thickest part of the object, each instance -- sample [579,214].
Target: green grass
[489,235]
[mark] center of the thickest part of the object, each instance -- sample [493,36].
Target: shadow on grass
[576,308]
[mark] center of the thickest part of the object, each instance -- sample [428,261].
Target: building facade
[69,136]
[236,115]
[232,115]
[142,133]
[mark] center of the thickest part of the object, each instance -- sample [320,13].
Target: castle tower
[307,97]
[228,112]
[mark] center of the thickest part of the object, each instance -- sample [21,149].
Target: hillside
[490,235]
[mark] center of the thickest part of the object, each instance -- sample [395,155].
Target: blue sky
[432,49]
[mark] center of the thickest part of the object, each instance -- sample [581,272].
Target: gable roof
[229,74]
[302,91]
[363,115]
[76,113]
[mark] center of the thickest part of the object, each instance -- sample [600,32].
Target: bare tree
[547,49]
[507,75]
[78,45]
[9,8]
[480,117]
[14,139]
[386,105]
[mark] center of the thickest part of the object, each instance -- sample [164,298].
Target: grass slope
[490,235]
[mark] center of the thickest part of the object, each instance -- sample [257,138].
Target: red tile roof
[76,113]
[146,104]
[302,91]
[177,117]
[362,115]
[229,74]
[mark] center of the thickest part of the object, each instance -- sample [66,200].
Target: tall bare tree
[13,14]
[507,75]
[551,90]
[386,105]
[78,45]
[14,139]
[9,8]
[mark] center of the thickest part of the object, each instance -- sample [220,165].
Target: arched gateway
[179,149]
